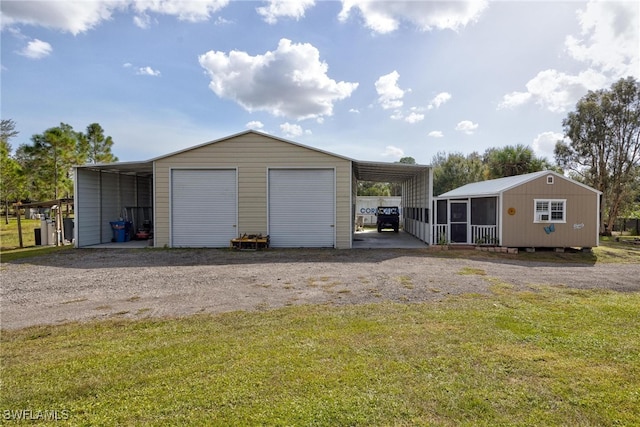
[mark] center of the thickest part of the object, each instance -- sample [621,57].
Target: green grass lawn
[10,242]
[553,356]
[9,233]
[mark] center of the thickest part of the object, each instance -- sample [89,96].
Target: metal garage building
[250,183]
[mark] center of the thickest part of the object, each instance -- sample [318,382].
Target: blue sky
[370,80]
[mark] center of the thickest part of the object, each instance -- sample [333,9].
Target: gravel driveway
[86,284]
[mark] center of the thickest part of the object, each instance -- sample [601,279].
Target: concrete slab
[371,239]
[132,244]
[367,239]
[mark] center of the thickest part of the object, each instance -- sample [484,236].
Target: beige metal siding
[253,155]
[580,229]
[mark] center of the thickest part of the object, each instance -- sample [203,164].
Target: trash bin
[67,225]
[120,231]
[38,235]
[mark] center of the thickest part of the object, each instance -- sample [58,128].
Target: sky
[368,80]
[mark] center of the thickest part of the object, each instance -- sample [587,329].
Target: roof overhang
[363,170]
[124,168]
[386,172]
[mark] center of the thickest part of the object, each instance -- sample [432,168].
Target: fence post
[17,206]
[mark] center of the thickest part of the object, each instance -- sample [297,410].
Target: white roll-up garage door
[302,208]
[203,207]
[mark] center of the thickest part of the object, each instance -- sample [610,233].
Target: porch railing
[440,232]
[484,235]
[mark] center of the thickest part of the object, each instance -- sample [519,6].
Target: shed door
[458,221]
[301,208]
[203,207]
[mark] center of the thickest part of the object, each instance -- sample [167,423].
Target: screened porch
[469,221]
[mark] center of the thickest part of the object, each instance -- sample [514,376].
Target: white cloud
[389,93]
[254,125]
[354,110]
[292,130]
[391,151]
[397,115]
[70,16]
[435,134]
[609,39]
[290,81]
[467,127]
[142,21]
[284,8]
[609,44]
[514,99]
[439,99]
[414,117]
[385,16]
[544,144]
[78,16]
[192,11]
[147,71]
[222,21]
[36,49]
[555,91]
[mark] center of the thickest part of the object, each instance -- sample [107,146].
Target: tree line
[42,170]
[601,149]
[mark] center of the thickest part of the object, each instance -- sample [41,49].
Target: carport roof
[386,172]
[127,168]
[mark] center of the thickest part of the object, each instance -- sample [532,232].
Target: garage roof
[363,170]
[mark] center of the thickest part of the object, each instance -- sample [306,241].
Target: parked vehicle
[388,217]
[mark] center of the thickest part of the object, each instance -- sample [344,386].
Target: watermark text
[35,415]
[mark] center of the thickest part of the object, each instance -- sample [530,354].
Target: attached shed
[540,209]
[248,183]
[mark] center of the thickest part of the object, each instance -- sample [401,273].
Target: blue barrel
[119,229]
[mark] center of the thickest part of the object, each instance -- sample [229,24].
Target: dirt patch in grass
[136,283]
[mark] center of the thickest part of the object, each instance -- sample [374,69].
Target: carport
[108,192]
[417,192]
[250,183]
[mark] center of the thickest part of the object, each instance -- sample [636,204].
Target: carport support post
[17,206]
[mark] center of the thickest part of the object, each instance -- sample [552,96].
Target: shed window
[550,179]
[552,210]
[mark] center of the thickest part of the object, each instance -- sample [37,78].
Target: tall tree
[604,147]
[51,157]
[94,147]
[512,160]
[10,171]
[407,160]
[368,188]
[455,169]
